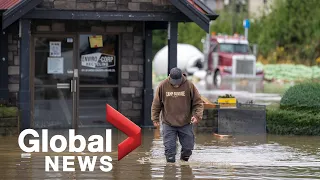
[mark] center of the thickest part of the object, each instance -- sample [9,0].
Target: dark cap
[175,76]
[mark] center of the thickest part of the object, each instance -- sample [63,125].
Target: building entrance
[74,77]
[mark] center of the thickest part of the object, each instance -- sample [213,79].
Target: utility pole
[235,8]
[234,15]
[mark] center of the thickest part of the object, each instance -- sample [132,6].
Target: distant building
[214,4]
[257,7]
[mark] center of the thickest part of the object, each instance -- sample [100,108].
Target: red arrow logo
[126,126]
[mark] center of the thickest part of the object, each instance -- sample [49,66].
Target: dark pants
[186,139]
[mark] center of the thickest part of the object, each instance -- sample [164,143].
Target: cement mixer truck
[189,59]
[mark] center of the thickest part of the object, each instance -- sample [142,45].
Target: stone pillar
[13,65]
[132,74]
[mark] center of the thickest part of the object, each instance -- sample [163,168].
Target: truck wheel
[217,79]
[208,81]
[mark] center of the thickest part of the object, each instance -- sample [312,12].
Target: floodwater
[239,157]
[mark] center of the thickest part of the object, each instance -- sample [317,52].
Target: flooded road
[258,92]
[239,157]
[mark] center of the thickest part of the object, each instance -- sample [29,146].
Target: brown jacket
[177,105]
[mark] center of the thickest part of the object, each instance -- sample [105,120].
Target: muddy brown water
[239,157]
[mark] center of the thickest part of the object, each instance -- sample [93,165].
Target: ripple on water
[257,161]
[235,158]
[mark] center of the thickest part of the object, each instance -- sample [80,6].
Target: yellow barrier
[222,103]
[227,102]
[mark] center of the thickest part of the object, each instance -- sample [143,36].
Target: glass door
[98,78]
[54,90]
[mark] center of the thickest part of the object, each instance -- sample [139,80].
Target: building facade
[62,61]
[214,5]
[257,8]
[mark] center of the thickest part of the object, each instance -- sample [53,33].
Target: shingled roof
[7,4]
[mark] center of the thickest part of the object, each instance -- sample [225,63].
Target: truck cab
[230,57]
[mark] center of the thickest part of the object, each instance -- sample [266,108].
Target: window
[98,64]
[234,48]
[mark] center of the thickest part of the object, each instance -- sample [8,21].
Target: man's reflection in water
[171,172]
[186,172]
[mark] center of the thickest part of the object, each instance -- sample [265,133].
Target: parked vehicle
[229,57]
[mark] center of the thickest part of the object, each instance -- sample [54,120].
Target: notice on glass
[55,49]
[96,41]
[55,65]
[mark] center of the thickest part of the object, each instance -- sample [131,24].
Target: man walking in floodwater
[181,105]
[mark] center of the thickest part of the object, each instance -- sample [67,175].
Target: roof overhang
[17,11]
[197,11]
[106,15]
[191,10]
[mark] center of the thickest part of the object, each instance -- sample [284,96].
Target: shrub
[293,122]
[8,112]
[299,111]
[304,96]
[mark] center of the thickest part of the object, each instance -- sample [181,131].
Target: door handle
[71,83]
[63,85]
[75,85]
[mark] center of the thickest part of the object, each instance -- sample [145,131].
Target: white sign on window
[55,65]
[98,62]
[55,49]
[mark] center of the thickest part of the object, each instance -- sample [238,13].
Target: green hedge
[8,112]
[290,72]
[298,113]
[289,122]
[304,96]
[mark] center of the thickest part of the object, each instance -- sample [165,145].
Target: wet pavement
[258,92]
[239,157]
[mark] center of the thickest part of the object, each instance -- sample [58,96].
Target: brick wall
[132,60]
[114,5]
[209,122]
[131,56]
[13,65]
